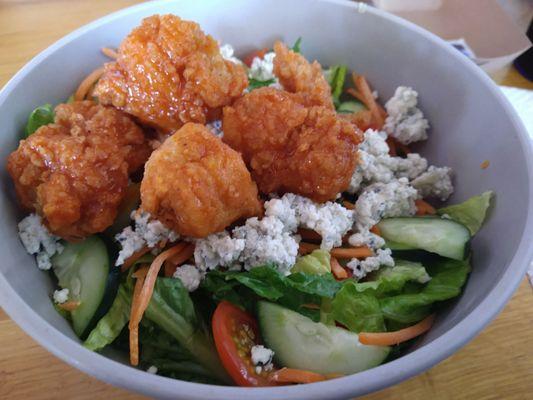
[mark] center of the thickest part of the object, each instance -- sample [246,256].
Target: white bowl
[471,122]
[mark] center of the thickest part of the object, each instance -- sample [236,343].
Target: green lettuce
[336,75]
[112,323]
[316,263]
[172,310]
[393,279]
[471,213]
[256,83]
[357,311]
[296,47]
[266,282]
[447,278]
[42,115]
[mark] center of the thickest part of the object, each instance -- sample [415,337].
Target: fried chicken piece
[197,185]
[292,148]
[305,79]
[74,172]
[169,72]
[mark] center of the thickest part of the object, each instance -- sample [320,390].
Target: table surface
[496,365]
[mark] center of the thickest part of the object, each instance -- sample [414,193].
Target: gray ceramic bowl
[471,122]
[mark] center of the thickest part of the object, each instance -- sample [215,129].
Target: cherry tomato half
[235,333]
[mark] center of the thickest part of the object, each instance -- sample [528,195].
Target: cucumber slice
[349,107]
[298,342]
[83,269]
[440,236]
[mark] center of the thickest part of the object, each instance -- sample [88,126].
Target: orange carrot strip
[352,252]
[348,205]
[70,305]
[134,257]
[173,262]
[337,270]
[134,328]
[308,234]
[375,230]
[87,83]
[291,375]
[109,52]
[149,283]
[311,306]
[392,338]
[363,87]
[306,248]
[356,94]
[485,164]
[424,208]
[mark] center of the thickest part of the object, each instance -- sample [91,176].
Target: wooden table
[498,364]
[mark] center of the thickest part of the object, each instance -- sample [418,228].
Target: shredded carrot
[173,262]
[352,252]
[311,306]
[375,230]
[70,305]
[368,99]
[291,375]
[337,270]
[148,286]
[353,92]
[485,164]
[109,52]
[87,83]
[310,235]
[424,208]
[134,328]
[348,205]
[134,257]
[392,338]
[393,151]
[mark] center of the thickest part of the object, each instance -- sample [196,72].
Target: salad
[257,221]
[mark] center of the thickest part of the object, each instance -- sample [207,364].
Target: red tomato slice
[235,333]
[249,58]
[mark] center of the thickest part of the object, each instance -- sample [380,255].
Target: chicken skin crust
[168,72]
[302,78]
[74,172]
[292,148]
[197,185]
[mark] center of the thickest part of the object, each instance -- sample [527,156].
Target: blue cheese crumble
[37,240]
[61,296]
[262,358]
[435,182]
[189,275]
[218,249]
[405,122]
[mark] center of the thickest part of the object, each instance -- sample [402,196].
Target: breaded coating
[169,72]
[197,185]
[291,148]
[74,172]
[305,79]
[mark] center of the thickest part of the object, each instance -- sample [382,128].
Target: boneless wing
[168,72]
[197,185]
[74,172]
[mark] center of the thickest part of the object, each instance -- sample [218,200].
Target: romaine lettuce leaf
[256,83]
[296,47]
[357,311]
[447,278]
[392,279]
[336,75]
[316,263]
[42,115]
[471,213]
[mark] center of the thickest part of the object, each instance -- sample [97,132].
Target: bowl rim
[364,382]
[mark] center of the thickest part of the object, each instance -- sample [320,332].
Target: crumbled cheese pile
[61,296]
[38,240]
[189,275]
[262,69]
[331,220]
[227,52]
[361,268]
[435,182]
[262,358]
[405,122]
[148,232]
